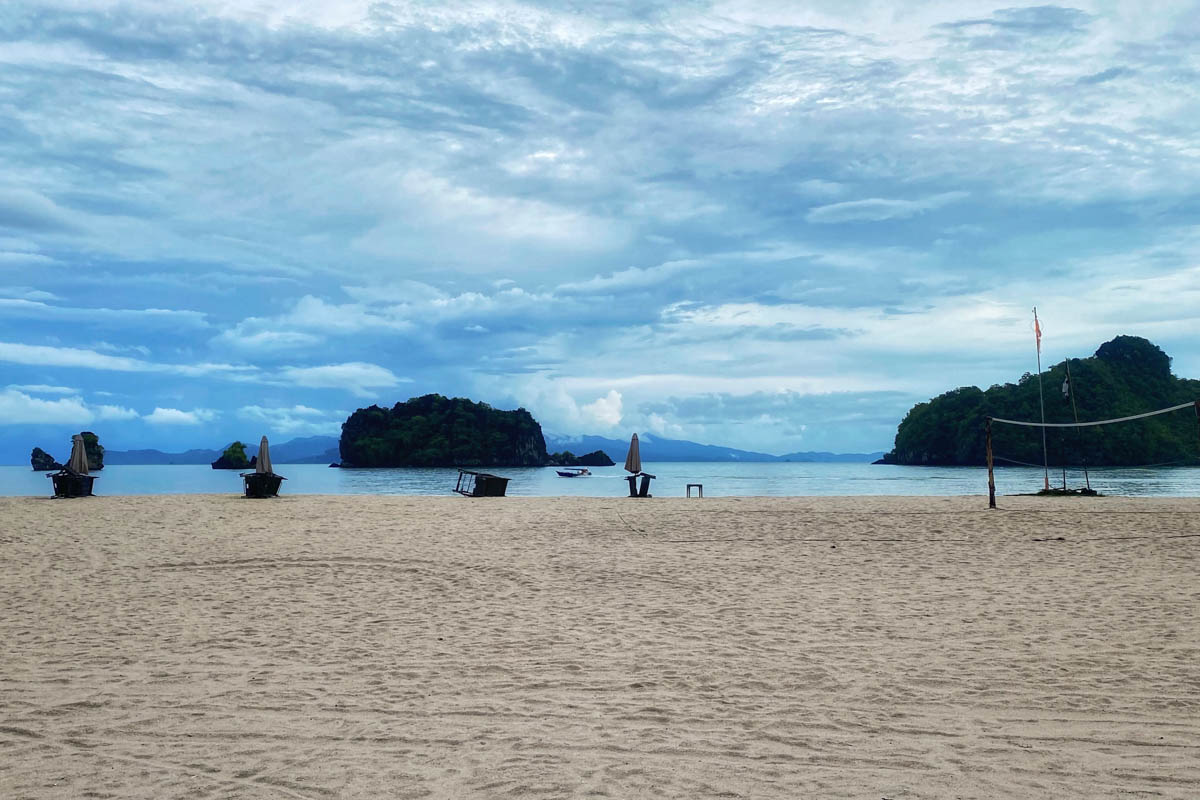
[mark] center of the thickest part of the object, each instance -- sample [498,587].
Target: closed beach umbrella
[264,458]
[78,460]
[633,460]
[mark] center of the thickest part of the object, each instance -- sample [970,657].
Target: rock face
[435,431]
[43,461]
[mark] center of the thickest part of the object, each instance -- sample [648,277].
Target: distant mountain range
[655,448]
[306,450]
[324,450]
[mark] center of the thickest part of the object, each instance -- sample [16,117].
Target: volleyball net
[1066,451]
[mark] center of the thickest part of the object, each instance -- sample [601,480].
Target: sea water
[718,479]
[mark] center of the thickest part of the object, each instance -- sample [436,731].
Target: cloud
[630,279]
[115,412]
[1012,28]
[429,326]
[438,200]
[141,349]
[313,313]
[297,419]
[152,316]
[174,416]
[242,337]
[41,388]
[403,292]
[310,320]
[21,259]
[605,411]
[877,209]
[357,377]
[19,408]
[43,355]
[1104,76]
[31,212]
[26,293]
[780,422]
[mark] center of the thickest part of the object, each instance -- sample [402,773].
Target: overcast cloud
[766,225]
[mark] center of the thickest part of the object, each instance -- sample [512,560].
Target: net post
[991,472]
[1197,404]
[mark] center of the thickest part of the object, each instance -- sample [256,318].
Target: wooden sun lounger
[262,484]
[68,483]
[480,484]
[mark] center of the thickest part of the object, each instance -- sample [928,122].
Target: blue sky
[766,225]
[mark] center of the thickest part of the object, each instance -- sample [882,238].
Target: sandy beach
[404,647]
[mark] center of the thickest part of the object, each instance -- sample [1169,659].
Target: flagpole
[1042,401]
[1075,411]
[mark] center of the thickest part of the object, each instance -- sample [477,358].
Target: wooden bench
[644,490]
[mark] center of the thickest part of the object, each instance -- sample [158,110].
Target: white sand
[370,647]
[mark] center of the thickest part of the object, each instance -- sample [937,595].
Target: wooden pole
[1198,417]
[1042,403]
[991,472]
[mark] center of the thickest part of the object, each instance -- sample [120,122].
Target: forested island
[1126,376]
[234,457]
[435,431]
[596,458]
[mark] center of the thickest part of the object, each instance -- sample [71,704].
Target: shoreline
[1023,501]
[718,479]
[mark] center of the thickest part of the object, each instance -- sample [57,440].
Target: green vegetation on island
[1126,376]
[95,453]
[435,431]
[597,458]
[234,457]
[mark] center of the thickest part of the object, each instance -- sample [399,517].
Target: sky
[766,225]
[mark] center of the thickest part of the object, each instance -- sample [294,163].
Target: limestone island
[566,458]
[43,461]
[436,431]
[1125,377]
[234,457]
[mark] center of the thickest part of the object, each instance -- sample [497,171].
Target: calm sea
[719,479]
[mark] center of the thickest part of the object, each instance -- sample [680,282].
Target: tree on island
[95,453]
[234,457]
[1126,376]
[435,431]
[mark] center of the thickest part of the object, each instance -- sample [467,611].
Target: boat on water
[572,472]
